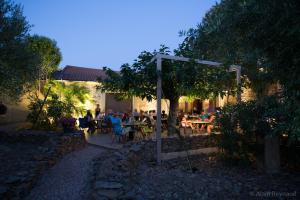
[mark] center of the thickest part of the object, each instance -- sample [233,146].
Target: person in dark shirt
[97,110]
[90,122]
[163,114]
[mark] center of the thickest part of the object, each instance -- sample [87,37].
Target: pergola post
[158,116]
[237,70]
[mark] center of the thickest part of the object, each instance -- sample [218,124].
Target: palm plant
[73,95]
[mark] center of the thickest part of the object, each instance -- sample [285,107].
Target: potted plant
[68,124]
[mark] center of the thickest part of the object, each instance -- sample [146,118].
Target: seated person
[185,122]
[141,115]
[97,111]
[135,114]
[117,125]
[163,114]
[145,118]
[90,122]
[106,121]
[211,125]
[204,116]
[125,118]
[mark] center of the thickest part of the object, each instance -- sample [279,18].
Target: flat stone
[135,148]
[110,194]
[107,185]
[128,195]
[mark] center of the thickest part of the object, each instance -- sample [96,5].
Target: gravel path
[68,178]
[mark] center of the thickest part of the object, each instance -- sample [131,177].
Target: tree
[17,63]
[263,37]
[178,79]
[48,53]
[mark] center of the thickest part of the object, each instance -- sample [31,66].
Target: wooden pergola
[158,58]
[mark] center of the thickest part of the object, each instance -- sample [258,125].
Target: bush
[244,125]
[3,109]
[238,132]
[38,117]
[53,110]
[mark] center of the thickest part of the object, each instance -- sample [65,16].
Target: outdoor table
[135,123]
[135,126]
[194,116]
[200,122]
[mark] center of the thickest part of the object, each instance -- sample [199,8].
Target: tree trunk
[172,116]
[272,154]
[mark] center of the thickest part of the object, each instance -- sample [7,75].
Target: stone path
[67,179]
[102,140]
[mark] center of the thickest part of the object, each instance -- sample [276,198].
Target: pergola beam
[158,57]
[184,59]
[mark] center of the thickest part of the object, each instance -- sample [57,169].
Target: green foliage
[51,113]
[56,109]
[237,123]
[261,36]
[18,65]
[37,116]
[243,123]
[72,95]
[48,53]
[178,79]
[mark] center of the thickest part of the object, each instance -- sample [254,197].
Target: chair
[146,131]
[106,126]
[184,125]
[83,123]
[118,132]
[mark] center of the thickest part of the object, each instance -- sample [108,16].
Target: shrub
[56,109]
[68,122]
[3,109]
[245,124]
[38,117]
[53,110]
[238,132]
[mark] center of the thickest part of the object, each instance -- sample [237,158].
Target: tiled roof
[73,73]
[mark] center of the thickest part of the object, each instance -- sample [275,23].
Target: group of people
[187,121]
[116,119]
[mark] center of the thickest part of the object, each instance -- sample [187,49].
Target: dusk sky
[97,33]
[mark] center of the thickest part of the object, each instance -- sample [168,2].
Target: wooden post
[158,106]
[238,82]
[272,154]
[237,70]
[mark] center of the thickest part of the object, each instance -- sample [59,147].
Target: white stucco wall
[145,105]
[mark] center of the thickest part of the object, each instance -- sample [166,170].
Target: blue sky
[97,33]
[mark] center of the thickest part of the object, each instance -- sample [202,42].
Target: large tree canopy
[17,62]
[263,37]
[48,53]
[178,79]
[23,58]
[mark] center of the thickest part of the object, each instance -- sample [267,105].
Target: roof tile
[74,73]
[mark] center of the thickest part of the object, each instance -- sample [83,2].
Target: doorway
[197,106]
